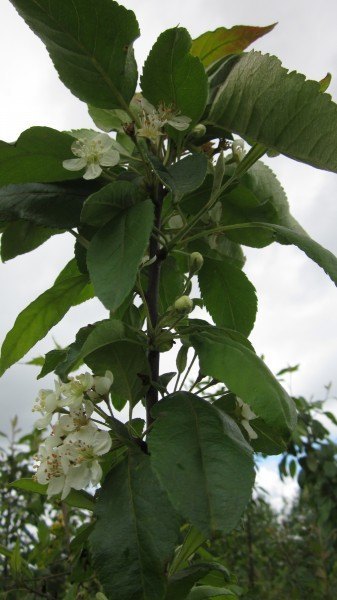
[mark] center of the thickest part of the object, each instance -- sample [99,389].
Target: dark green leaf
[181,582]
[20,237]
[105,204]
[229,296]
[35,321]
[49,205]
[173,76]
[206,459]
[143,530]
[260,100]
[245,374]
[90,44]
[76,498]
[36,156]
[189,173]
[171,283]
[52,360]
[115,253]
[214,45]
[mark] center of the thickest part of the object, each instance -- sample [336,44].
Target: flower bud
[199,130]
[196,262]
[100,596]
[184,304]
[238,150]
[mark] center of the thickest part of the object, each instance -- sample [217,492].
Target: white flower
[247,415]
[94,151]
[238,149]
[74,391]
[102,385]
[74,420]
[153,120]
[50,470]
[46,403]
[79,457]
[150,127]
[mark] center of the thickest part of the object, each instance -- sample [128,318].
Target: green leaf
[115,253]
[268,441]
[143,530]
[191,543]
[214,45]
[203,592]
[245,374]
[261,101]
[52,360]
[171,284]
[258,196]
[186,466]
[172,76]
[20,237]
[90,44]
[49,205]
[35,321]
[108,120]
[181,582]
[105,204]
[36,156]
[229,296]
[189,173]
[76,498]
[322,257]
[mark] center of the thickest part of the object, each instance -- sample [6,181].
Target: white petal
[43,421]
[93,171]
[181,123]
[66,490]
[109,158]
[251,433]
[55,486]
[78,477]
[96,472]
[74,164]
[101,443]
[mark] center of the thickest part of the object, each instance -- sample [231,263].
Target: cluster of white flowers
[153,120]
[247,415]
[94,151]
[69,457]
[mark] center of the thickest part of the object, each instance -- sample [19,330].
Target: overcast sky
[297,318]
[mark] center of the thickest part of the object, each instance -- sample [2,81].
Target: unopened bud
[238,149]
[199,130]
[183,304]
[100,596]
[196,262]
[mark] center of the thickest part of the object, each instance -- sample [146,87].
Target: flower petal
[110,158]
[74,164]
[93,171]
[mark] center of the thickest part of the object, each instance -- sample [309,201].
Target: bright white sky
[297,320]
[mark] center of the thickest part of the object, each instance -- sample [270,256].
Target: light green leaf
[181,582]
[108,120]
[46,204]
[203,592]
[214,45]
[76,498]
[261,101]
[229,296]
[115,253]
[35,321]
[193,540]
[245,374]
[90,44]
[20,237]
[143,530]
[36,156]
[172,76]
[105,204]
[186,466]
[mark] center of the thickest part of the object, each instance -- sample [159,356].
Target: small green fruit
[184,305]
